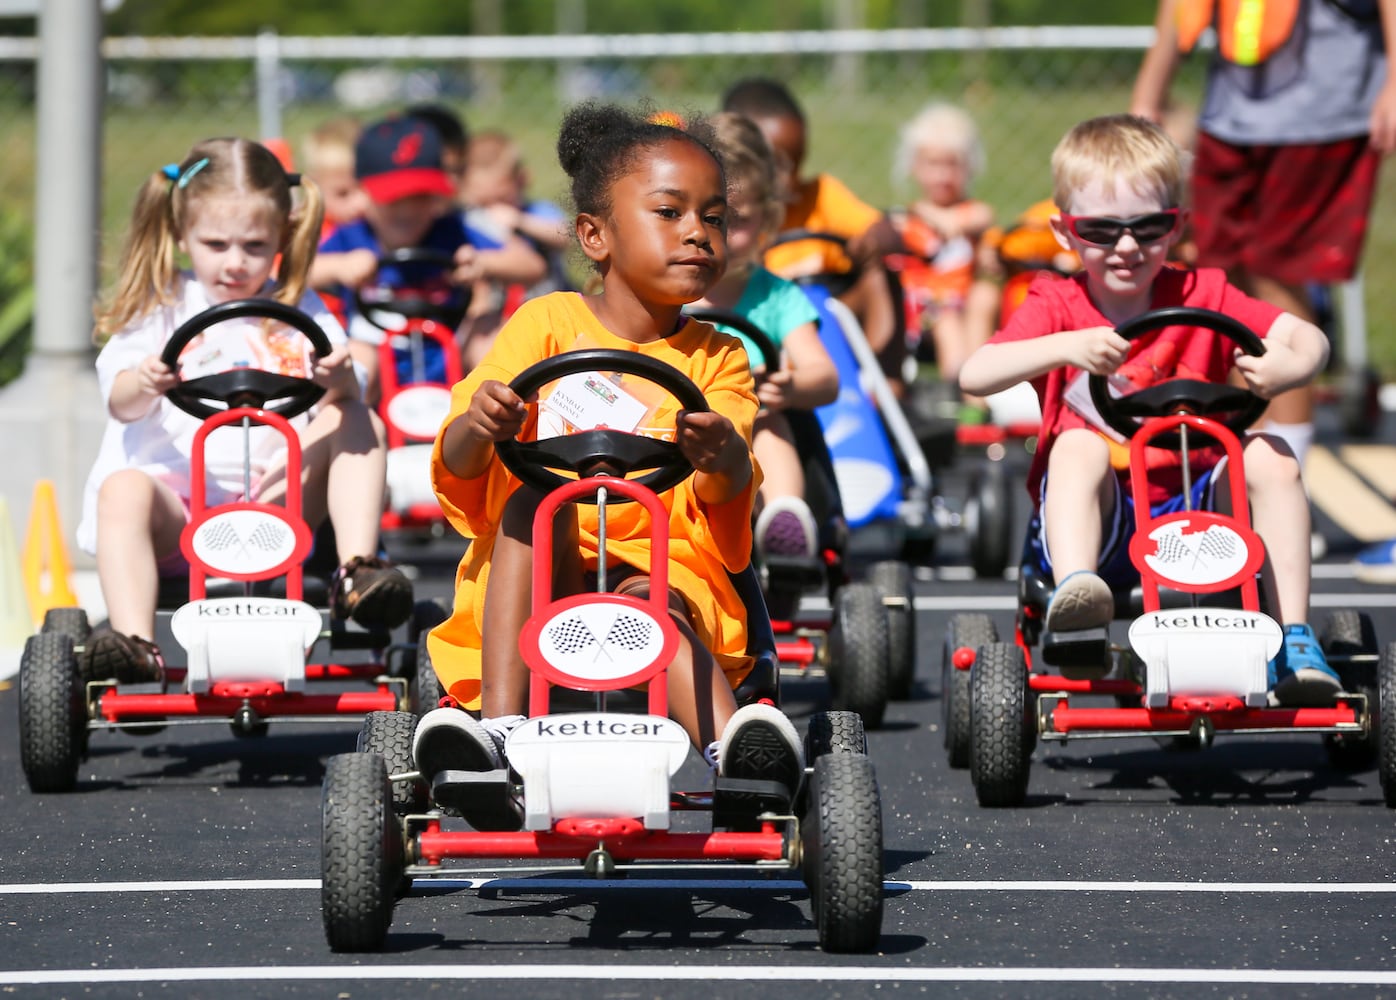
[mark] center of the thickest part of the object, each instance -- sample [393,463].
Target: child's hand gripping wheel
[601,451]
[245,387]
[1232,407]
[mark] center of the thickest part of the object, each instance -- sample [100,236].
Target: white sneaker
[760,742]
[785,527]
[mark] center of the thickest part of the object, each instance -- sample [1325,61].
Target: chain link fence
[1023,86]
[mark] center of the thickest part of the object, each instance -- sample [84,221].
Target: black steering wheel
[770,353]
[408,303]
[1232,407]
[837,282]
[601,451]
[249,387]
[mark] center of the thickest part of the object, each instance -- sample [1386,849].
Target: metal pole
[68,175]
[269,84]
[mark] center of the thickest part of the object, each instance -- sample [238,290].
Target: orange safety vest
[1248,31]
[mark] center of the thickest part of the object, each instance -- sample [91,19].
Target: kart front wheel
[1386,723]
[52,714]
[892,579]
[970,631]
[361,855]
[842,853]
[834,732]
[1349,642]
[389,734]
[858,653]
[1002,730]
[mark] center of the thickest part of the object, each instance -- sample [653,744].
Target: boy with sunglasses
[1119,181]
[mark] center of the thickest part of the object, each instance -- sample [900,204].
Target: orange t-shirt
[823,204]
[706,541]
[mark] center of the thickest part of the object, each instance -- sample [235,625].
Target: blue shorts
[1115,567]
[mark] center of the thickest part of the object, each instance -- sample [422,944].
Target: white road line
[503,880]
[691,973]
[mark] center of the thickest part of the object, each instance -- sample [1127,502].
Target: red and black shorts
[1295,214]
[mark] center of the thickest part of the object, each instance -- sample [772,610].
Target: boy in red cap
[398,163]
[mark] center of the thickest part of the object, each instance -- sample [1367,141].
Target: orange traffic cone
[45,562]
[15,623]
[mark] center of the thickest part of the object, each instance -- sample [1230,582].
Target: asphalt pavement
[187,864]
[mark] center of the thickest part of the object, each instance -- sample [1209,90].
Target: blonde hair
[165,207]
[330,145]
[750,165]
[1117,148]
[489,148]
[939,126]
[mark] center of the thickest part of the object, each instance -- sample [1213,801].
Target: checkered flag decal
[1171,549]
[571,636]
[1217,544]
[629,632]
[219,536]
[268,536]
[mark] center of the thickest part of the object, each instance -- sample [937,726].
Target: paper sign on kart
[1078,397]
[586,401]
[262,344]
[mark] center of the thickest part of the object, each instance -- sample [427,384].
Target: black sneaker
[759,742]
[465,766]
[371,591]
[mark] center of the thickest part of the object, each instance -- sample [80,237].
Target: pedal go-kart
[418,362]
[595,786]
[865,645]
[1196,660]
[246,628]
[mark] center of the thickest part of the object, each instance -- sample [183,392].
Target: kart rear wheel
[1002,730]
[1386,723]
[988,517]
[858,651]
[361,856]
[71,622]
[834,732]
[52,714]
[966,630]
[893,581]
[426,615]
[1349,641]
[389,734]
[842,853]
[426,686]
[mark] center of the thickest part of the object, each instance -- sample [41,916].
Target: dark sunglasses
[1103,231]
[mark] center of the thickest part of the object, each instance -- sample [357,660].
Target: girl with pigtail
[228,208]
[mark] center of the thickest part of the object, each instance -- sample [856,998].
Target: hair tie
[293,178]
[189,172]
[171,171]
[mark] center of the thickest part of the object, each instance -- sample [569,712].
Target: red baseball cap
[401,157]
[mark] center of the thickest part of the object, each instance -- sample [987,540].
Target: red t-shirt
[1056,305]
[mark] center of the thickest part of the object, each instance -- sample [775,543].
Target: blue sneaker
[1300,674]
[1376,563]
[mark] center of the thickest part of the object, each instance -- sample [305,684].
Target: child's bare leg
[774,445]
[700,699]
[951,338]
[509,596]
[1080,499]
[139,521]
[1280,516]
[344,464]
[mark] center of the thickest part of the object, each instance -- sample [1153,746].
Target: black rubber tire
[842,853]
[71,622]
[1002,730]
[834,732]
[361,857]
[1359,403]
[52,715]
[389,734]
[893,581]
[988,520]
[1386,724]
[858,653]
[972,630]
[1346,633]
[426,691]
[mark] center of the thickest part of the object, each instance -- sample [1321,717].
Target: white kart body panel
[1205,652]
[597,765]
[246,640]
